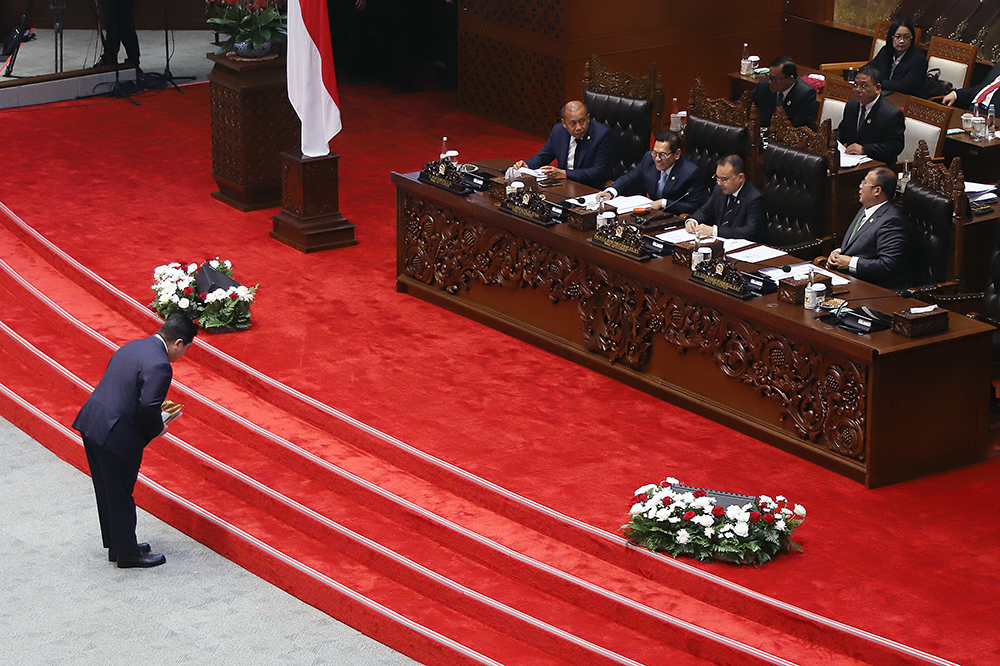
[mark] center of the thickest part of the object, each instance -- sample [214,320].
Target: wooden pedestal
[310,218]
[252,122]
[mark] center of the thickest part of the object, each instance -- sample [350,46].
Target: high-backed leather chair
[631,106]
[716,128]
[796,185]
[930,214]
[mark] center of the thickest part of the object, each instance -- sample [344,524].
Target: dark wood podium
[252,123]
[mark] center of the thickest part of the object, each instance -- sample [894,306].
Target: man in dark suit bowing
[118,420]
[582,149]
[784,88]
[875,247]
[674,183]
[736,207]
[871,126]
[981,95]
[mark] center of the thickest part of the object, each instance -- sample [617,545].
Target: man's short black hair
[735,161]
[873,73]
[178,327]
[885,178]
[670,138]
[787,65]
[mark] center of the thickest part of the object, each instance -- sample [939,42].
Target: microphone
[677,200]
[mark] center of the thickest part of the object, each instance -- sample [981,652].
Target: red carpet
[123,189]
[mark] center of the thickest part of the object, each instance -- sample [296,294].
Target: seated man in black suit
[674,183]
[784,88]
[736,207]
[871,125]
[586,159]
[875,245]
[983,94]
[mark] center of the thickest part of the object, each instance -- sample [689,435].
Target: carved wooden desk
[879,408]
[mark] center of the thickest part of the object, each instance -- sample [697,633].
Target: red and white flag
[312,84]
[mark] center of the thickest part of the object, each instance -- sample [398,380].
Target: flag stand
[310,218]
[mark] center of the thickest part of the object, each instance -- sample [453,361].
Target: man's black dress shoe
[143,550]
[141,561]
[105,62]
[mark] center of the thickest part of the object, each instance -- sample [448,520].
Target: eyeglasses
[901,38]
[723,179]
[863,184]
[659,156]
[862,86]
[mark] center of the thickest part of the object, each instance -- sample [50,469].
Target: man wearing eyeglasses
[736,207]
[581,148]
[783,88]
[663,174]
[875,245]
[871,126]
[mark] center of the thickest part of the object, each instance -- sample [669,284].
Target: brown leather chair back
[930,214]
[795,195]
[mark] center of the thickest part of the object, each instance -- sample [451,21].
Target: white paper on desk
[733,244]
[802,270]
[676,236]
[627,204]
[537,173]
[984,197]
[757,254]
[589,201]
[848,161]
[979,188]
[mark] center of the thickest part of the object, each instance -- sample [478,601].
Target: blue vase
[245,50]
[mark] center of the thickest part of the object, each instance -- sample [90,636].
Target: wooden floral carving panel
[823,396]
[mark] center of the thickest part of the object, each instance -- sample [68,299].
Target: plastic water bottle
[991,119]
[745,61]
[444,147]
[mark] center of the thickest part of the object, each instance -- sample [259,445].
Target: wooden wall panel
[530,37]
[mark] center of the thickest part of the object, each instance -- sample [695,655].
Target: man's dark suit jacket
[800,103]
[745,218]
[592,163]
[685,180]
[122,415]
[910,77]
[881,137]
[881,248]
[964,97]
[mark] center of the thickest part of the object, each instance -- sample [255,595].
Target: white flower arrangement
[663,518]
[220,309]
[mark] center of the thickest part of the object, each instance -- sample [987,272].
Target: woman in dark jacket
[902,64]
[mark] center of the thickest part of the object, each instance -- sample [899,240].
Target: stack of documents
[848,161]
[981,193]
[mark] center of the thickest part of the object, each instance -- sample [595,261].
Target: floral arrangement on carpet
[249,23]
[682,521]
[217,308]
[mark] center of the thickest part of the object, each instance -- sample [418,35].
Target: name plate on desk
[622,238]
[444,174]
[722,275]
[528,205]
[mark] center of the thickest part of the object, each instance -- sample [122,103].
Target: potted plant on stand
[254,27]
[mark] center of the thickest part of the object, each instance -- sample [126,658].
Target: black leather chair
[631,126]
[930,214]
[631,106]
[706,141]
[795,197]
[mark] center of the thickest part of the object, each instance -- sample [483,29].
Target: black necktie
[729,205]
[861,118]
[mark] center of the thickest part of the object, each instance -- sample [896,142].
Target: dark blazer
[881,137]
[745,218]
[881,247]
[964,97]
[800,103]
[593,155]
[910,76]
[685,180]
[122,415]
